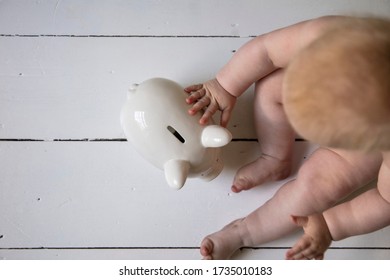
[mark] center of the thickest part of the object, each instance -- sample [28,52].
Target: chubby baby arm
[209,98]
[366,213]
[253,61]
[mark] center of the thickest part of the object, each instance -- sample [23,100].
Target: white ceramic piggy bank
[156,122]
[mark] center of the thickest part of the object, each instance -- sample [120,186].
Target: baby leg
[317,237]
[275,135]
[325,178]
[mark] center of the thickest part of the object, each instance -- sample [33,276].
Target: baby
[346,92]
[301,72]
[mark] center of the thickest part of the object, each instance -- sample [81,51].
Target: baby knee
[317,189]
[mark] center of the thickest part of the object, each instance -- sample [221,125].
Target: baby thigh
[330,175]
[384,177]
[272,127]
[268,101]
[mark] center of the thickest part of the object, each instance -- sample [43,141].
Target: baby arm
[252,62]
[345,220]
[366,213]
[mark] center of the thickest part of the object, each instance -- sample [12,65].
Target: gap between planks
[121,36]
[179,248]
[108,140]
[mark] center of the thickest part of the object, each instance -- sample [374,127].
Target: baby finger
[195,95]
[208,113]
[199,105]
[193,88]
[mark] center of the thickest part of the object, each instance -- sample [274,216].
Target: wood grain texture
[70,186]
[52,92]
[170,17]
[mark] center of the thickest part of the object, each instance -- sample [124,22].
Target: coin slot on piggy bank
[176,134]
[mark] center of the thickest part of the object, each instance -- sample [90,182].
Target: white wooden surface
[70,187]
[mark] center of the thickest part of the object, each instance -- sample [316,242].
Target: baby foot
[222,244]
[262,170]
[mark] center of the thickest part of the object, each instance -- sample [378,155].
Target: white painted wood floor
[70,186]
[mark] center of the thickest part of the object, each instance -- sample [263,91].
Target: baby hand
[210,97]
[315,240]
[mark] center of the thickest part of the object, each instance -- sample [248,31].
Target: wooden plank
[182,254]
[102,194]
[65,67]
[333,253]
[173,17]
[61,88]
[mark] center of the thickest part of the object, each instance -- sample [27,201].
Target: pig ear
[176,172]
[214,136]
